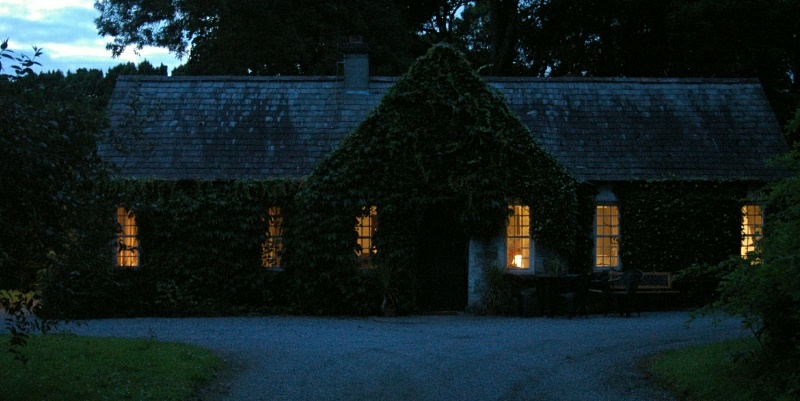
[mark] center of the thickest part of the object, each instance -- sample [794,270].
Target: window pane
[752,227]
[518,238]
[127,241]
[606,236]
[365,229]
[272,248]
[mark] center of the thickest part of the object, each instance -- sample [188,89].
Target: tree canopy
[265,37]
[55,225]
[48,132]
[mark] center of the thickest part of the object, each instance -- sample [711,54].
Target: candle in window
[518,261]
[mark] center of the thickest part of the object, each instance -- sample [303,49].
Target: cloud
[66,32]
[73,25]
[38,10]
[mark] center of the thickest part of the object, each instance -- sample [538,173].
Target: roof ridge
[643,80]
[259,78]
[320,78]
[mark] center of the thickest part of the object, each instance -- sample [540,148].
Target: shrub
[764,288]
[21,320]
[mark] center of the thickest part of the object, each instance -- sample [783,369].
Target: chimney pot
[356,64]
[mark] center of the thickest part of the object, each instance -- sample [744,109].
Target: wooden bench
[652,284]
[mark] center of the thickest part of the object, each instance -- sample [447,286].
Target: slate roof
[612,129]
[634,129]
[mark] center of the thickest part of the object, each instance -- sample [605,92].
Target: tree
[472,37]
[303,37]
[764,288]
[442,25]
[487,31]
[96,86]
[54,225]
[593,37]
[108,82]
[504,34]
[262,37]
[742,38]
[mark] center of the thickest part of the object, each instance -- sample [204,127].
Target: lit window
[606,249]
[127,242]
[272,248]
[518,237]
[365,228]
[752,227]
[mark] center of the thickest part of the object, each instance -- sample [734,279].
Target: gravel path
[459,357]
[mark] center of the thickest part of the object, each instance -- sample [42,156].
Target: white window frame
[519,245]
[607,225]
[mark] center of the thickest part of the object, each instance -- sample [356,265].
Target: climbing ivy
[200,247]
[675,226]
[439,138]
[580,256]
[670,225]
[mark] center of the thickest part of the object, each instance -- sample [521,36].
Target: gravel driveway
[459,357]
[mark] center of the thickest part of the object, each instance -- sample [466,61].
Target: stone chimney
[356,64]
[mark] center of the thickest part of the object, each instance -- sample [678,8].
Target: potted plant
[496,298]
[388,276]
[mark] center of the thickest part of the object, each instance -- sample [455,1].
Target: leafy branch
[23,64]
[21,320]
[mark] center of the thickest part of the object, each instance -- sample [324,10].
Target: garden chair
[576,299]
[626,299]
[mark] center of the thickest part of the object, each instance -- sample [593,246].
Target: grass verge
[729,371]
[68,367]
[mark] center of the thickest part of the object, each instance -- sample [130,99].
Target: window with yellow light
[272,248]
[127,240]
[752,227]
[606,249]
[366,225]
[518,237]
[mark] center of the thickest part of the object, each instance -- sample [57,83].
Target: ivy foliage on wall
[670,225]
[201,245]
[580,258]
[441,138]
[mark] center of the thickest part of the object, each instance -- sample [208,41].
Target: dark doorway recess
[443,258]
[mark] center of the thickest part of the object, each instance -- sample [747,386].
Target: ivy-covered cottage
[303,192]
